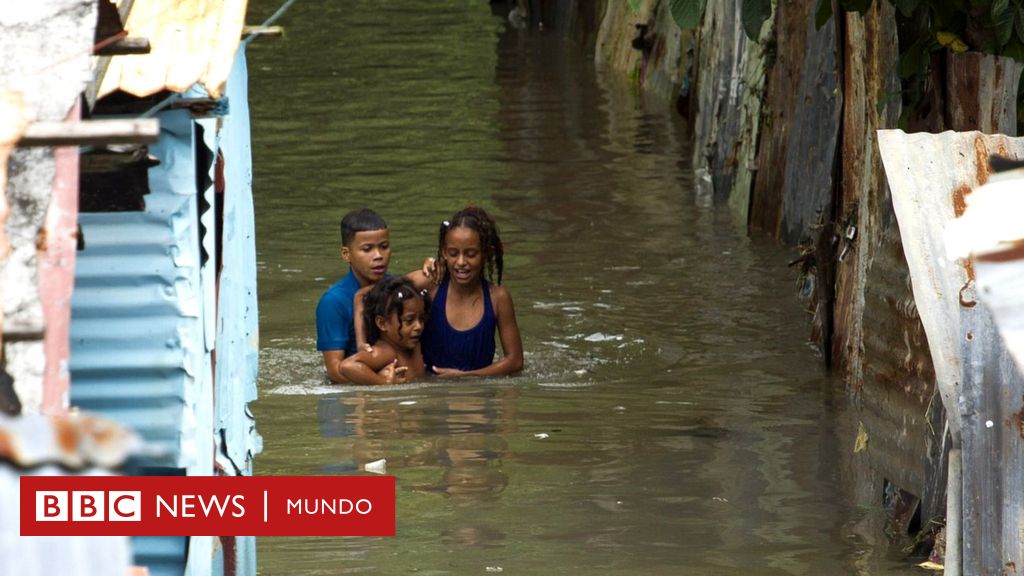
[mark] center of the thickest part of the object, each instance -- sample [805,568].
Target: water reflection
[456,432]
[670,419]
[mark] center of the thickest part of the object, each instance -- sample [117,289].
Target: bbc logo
[89,506]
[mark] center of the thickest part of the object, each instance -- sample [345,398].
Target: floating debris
[377,466]
[406,402]
[602,337]
[862,439]
[541,435]
[495,569]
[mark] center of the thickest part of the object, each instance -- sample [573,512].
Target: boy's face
[368,254]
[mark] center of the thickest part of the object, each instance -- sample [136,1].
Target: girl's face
[405,331]
[463,255]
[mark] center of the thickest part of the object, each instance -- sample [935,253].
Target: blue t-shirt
[334,327]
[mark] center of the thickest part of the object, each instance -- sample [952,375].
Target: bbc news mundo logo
[89,506]
[207,506]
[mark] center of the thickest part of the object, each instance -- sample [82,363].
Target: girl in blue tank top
[468,305]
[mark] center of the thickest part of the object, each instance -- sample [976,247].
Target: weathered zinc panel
[136,330]
[721,61]
[807,182]
[780,107]
[981,388]
[237,323]
[757,59]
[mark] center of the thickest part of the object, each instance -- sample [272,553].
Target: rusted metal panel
[981,388]
[807,181]
[874,314]
[780,107]
[992,231]
[70,440]
[982,92]
[56,446]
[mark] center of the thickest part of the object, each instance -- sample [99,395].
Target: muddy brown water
[671,418]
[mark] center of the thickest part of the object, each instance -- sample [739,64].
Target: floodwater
[672,418]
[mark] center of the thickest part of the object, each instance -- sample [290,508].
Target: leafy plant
[634,6]
[754,13]
[686,13]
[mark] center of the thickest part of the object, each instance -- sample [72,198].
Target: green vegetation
[928,26]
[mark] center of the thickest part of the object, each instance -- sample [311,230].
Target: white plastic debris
[495,569]
[406,402]
[541,435]
[377,466]
[602,337]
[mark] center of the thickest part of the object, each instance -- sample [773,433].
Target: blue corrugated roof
[136,338]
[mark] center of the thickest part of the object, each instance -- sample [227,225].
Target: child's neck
[465,289]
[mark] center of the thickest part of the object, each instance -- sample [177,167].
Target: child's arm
[363,367]
[332,364]
[508,332]
[426,277]
[357,316]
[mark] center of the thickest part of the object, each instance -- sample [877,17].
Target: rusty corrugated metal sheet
[991,229]
[70,440]
[192,42]
[51,446]
[981,387]
[981,92]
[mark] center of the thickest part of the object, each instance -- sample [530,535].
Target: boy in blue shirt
[366,247]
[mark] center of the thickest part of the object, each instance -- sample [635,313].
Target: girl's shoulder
[499,294]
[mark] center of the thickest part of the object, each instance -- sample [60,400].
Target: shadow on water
[670,419]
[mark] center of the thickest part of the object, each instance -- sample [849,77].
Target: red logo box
[207,506]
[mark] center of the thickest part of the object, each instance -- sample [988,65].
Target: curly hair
[388,297]
[490,243]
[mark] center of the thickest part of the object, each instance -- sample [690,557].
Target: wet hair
[388,297]
[361,220]
[490,243]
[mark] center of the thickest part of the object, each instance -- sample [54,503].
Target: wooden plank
[125,46]
[94,132]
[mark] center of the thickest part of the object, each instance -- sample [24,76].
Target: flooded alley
[672,418]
